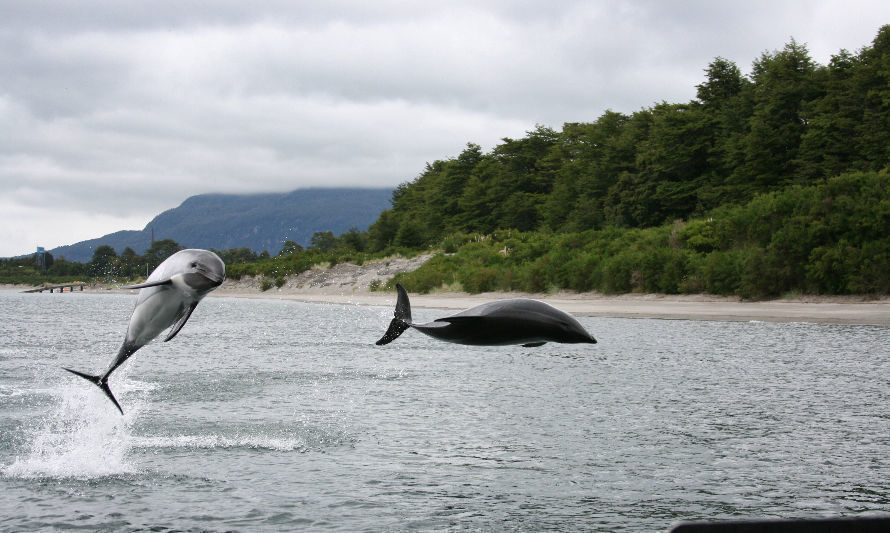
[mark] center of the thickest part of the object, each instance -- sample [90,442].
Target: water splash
[257,442]
[82,436]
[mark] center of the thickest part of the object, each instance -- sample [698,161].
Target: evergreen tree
[726,98]
[873,84]
[784,83]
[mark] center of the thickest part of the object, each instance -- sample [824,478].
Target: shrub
[873,273]
[830,268]
[479,280]
[721,272]
[621,273]
[536,276]
[581,273]
[763,275]
[433,274]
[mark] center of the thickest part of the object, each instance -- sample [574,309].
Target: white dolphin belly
[156,313]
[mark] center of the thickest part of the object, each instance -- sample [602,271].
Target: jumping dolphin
[515,321]
[167,298]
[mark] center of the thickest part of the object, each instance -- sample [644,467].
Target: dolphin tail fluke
[403,306]
[101,383]
[401,319]
[396,328]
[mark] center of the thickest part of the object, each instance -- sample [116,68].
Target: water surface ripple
[269,415]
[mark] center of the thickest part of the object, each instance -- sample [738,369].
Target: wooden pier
[60,288]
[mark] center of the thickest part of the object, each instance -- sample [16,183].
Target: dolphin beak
[214,278]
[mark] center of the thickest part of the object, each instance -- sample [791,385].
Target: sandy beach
[697,307]
[351,284]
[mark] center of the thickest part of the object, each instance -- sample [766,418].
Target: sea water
[271,415]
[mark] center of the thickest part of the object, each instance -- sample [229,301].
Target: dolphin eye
[194,265]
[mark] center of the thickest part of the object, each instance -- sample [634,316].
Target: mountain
[256,221]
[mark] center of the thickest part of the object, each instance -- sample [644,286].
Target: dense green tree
[354,240]
[724,83]
[791,122]
[130,263]
[726,97]
[444,184]
[104,262]
[382,233]
[290,247]
[159,251]
[594,157]
[410,234]
[872,79]
[784,84]
[63,268]
[234,256]
[671,165]
[828,144]
[323,240]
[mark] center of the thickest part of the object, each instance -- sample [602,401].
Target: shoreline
[678,307]
[814,309]
[351,284]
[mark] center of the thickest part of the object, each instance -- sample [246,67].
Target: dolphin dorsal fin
[167,281]
[181,320]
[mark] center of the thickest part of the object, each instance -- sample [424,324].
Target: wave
[254,442]
[82,436]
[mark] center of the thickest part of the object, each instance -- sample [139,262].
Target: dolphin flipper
[101,383]
[167,281]
[183,318]
[401,318]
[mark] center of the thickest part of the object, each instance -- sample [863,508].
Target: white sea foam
[82,436]
[261,442]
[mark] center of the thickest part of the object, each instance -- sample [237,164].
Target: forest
[765,184]
[768,183]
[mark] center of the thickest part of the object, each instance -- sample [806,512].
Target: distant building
[44,259]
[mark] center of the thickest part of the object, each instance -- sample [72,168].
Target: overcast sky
[111,112]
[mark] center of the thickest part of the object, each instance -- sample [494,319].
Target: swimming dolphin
[515,321]
[167,298]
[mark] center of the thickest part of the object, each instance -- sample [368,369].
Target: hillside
[261,222]
[772,183]
[790,122]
